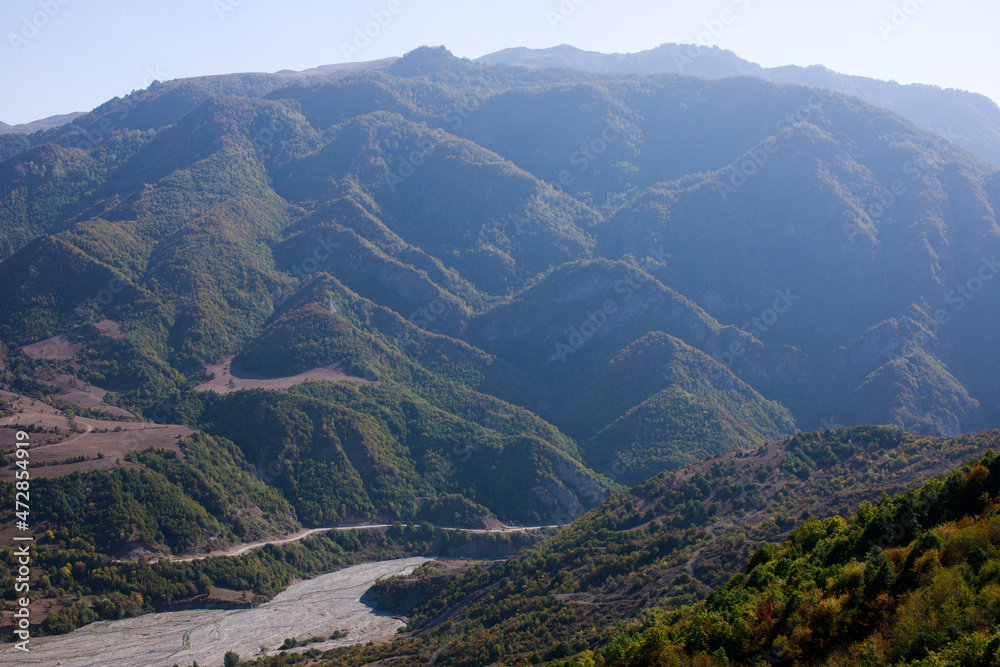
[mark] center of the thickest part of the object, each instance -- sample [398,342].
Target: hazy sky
[59,56]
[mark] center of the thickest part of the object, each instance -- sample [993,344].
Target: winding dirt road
[303,534]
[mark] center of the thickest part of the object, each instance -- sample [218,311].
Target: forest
[407,295]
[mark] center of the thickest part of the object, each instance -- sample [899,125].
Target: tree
[232,659]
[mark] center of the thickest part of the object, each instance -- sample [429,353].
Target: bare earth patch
[58,347]
[111,329]
[28,411]
[74,391]
[93,436]
[229,379]
[306,610]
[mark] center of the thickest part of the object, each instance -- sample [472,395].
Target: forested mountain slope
[498,246]
[969,119]
[674,570]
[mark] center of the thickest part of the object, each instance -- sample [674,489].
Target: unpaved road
[314,608]
[301,535]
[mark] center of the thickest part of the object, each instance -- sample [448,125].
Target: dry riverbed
[308,609]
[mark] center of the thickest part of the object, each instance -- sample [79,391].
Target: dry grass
[92,437]
[229,378]
[73,391]
[58,347]
[61,347]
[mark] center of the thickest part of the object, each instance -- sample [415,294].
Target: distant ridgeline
[537,285]
[437,292]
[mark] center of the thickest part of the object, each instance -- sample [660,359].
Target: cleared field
[306,610]
[74,391]
[57,441]
[62,347]
[58,347]
[111,329]
[228,379]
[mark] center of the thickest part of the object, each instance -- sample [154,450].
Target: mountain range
[631,271]
[42,124]
[441,290]
[969,119]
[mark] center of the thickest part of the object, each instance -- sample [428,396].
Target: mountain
[43,124]
[969,119]
[239,305]
[782,257]
[711,63]
[686,563]
[754,280]
[614,371]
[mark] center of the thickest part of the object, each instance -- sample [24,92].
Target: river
[313,608]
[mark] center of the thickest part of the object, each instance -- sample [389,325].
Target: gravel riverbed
[314,608]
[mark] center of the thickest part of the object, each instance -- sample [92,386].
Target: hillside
[969,119]
[484,293]
[909,581]
[398,224]
[678,539]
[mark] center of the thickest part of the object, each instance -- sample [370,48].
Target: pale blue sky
[87,51]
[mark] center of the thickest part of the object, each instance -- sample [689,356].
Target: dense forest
[436,292]
[669,549]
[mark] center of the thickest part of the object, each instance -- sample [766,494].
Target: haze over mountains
[969,119]
[776,257]
[42,124]
[441,291]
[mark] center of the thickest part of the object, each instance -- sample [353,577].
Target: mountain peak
[423,56]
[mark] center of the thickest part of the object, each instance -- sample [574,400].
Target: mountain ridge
[537,285]
[976,125]
[40,124]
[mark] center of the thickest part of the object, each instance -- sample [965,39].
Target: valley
[303,534]
[612,364]
[307,611]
